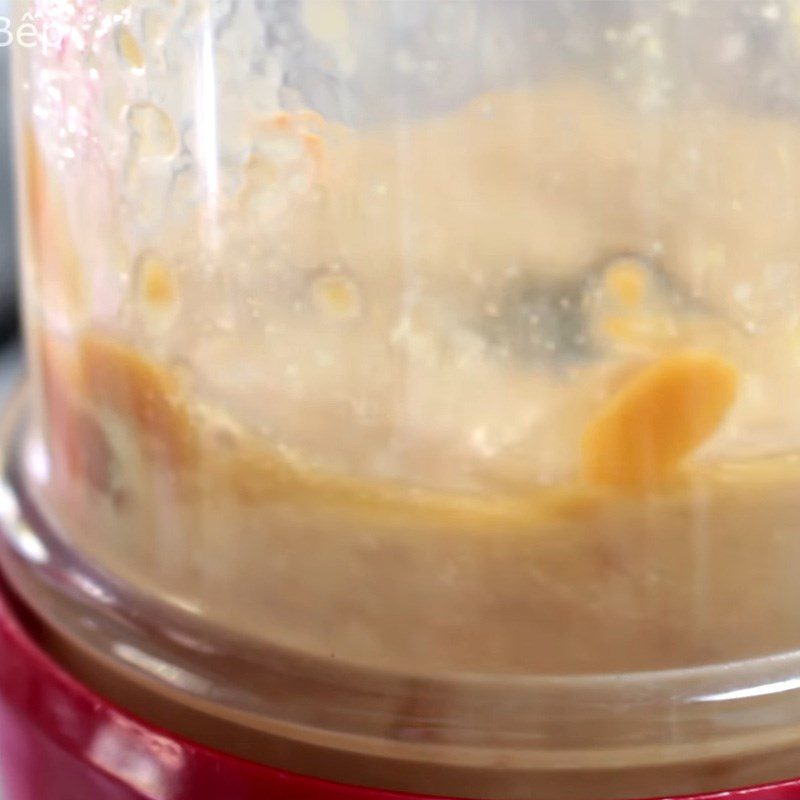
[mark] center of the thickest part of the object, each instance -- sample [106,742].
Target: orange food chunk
[657,418]
[129,48]
[148,395]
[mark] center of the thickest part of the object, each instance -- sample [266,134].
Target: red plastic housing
[60,741]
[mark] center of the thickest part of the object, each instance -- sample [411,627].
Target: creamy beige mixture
[436,307]
[501,390]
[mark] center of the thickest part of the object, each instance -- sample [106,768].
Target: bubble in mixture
[158,285]
[336,295]
[157,291]
[152,132]
[625,280]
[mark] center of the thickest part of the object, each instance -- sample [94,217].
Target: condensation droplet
[128,49]
[152,133]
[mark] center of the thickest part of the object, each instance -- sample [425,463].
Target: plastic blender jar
[412,389]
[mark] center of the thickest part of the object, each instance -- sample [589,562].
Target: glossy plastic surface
[59,741]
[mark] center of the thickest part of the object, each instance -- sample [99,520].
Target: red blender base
[60,741]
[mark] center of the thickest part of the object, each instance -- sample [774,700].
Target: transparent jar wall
[454,337]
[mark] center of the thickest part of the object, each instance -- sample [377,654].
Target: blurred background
[7,237]
[8,314]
